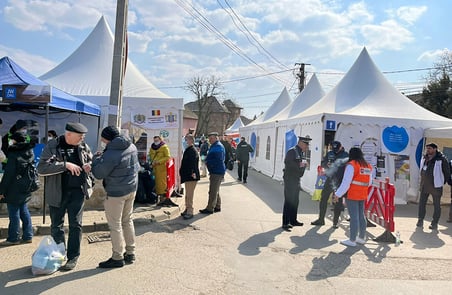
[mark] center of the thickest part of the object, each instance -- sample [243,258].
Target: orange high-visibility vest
[360,183]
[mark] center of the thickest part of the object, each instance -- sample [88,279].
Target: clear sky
[243,42]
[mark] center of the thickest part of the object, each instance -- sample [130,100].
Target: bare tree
[203,88]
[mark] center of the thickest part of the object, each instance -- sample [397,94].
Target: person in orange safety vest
[357,178]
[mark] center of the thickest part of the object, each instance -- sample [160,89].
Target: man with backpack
[66,165]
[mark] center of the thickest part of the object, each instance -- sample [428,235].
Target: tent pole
[46,128]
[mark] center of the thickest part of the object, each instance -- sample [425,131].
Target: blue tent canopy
[12,73]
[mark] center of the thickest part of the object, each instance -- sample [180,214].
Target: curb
[142,215]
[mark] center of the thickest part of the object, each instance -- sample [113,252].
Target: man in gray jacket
[118,166]
[66,165]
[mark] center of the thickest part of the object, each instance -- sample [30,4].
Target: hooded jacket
[118,166]
[19,156]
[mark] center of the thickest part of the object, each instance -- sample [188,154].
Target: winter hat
[110,132]
[20,124]
[18,137]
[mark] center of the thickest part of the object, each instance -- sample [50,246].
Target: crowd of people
[70,167]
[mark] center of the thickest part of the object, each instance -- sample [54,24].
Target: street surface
[243,250]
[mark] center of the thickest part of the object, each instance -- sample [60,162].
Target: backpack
[28,180]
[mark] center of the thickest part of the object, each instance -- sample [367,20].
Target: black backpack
[28,179]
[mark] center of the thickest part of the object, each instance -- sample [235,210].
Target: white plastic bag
[48,258]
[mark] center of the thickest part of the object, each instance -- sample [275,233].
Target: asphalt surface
[243,250]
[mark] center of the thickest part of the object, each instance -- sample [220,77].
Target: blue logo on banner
[253,143]
[419,148]
[10,92]
[291,139]
[395,138]
[330,125]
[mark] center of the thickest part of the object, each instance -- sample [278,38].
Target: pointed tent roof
[87,71]
[365,92]
[310,95]
[12,73]
[278,105]
[234,127]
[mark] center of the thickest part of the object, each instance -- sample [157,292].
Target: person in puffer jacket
[118,166]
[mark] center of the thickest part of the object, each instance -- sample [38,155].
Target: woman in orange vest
[357,178]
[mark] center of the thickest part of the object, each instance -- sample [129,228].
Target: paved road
[242,250]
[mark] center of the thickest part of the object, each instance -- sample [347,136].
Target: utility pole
[301,75]
[119,64]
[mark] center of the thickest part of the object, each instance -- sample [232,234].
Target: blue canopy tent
[12,74]
[69,107]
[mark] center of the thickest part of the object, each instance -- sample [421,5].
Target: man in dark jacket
[118,166]
[295,164]
[435,172]
[334,165]
[66,163]
[217,169]
[243,158]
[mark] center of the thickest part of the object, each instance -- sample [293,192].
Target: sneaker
[112,263]
[129,258]
[360,241]
[7,243]
[183,213]
[420,223]
[335,226]
[70,264]
[348,243]
[244,181]
[433,226]
[216,210]
[26,241]
[188,216]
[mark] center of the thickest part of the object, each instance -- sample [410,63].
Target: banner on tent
[155,118]
[26,93]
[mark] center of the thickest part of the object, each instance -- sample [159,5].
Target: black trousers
[436,196]
[328,188]
[243,166]
[72,202]
[291,199]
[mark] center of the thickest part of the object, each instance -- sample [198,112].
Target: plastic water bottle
[397,239]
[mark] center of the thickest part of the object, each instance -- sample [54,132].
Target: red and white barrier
[380,208]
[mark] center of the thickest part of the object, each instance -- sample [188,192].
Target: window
[257,146]
[267,150]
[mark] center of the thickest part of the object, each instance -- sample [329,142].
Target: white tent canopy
[278,105]
[363,109]
[234,129]
[86,73]
[310,95]
[442,132]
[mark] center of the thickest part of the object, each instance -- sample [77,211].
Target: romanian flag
[156,112]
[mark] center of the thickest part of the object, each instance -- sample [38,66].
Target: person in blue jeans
[20,154]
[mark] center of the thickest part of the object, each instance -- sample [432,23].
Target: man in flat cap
[435,172]
[66,163]
[217,169]
[294,166]
[334,165]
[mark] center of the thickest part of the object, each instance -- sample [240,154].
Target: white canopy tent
[86,73]
[265,130]
[364,109]
[234,129]
[267,135]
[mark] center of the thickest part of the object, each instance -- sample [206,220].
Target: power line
[249,34]
[201,19]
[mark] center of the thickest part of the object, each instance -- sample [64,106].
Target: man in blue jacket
[217,169]
[118,166]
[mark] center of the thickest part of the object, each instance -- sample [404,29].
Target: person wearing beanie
[118,167]
[20,155]
[109,133]
[66,163]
